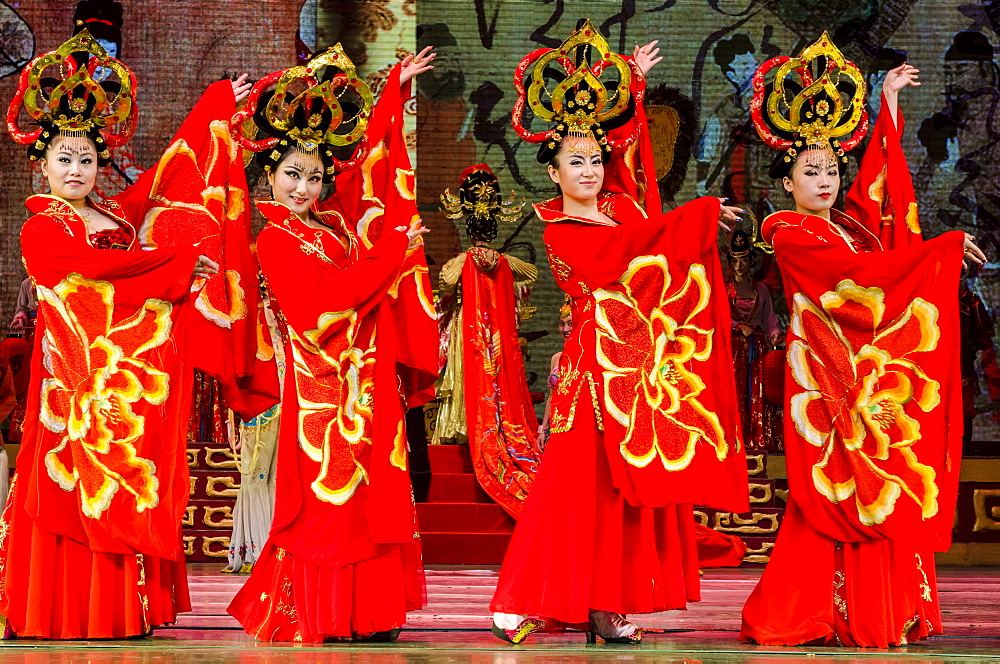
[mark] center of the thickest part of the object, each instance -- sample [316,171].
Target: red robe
[93,542]
[643,420]
[343,555]
[873,418]
[501,421]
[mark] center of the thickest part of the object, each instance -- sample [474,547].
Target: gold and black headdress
[815,100]
[322,107]
[77,90]
[482,204]
[580,90]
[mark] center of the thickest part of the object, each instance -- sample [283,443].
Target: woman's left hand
[242,87]
[416,64]
[973,252]
[900,77]
[645,56]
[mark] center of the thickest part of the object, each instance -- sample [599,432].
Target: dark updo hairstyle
[304,116]
[78,102]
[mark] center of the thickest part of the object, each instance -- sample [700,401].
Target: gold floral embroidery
[646,344]
[335,390]
[860,386]
[559,267]
[838,591]
[97,374]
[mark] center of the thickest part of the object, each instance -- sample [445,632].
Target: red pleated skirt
[873,594]
[289,599]
[57,588]
[579,546]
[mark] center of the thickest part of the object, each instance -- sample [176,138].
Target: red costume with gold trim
[343,557]
[872,408]
[482,301]
[90,543]
[644,410]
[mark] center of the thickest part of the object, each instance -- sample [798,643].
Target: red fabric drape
[196,196]
[502,425]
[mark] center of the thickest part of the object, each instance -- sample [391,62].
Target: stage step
[464,548]
[450,459]
[460,524]
[467,517]
[455,488]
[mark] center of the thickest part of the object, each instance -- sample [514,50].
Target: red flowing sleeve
[380,195]
[882,196]
[661,338]
[104,452]
[50,253]
[873,387]
[196,196]
[308,289]
[632,170]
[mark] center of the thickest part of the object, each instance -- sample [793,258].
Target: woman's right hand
[20,321]
[746,330]
[729,213]
[413,234]
[972,251]
[205,267]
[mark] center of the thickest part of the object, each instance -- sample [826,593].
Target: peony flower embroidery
[96,375]
[336,393]
[647,346]
[861,387]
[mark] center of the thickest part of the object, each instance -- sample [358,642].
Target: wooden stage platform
[455,628]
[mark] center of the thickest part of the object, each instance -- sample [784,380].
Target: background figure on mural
[731,158]
[483,390]
[755,332]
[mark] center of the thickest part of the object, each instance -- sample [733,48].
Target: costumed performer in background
[755,333]
[483,390]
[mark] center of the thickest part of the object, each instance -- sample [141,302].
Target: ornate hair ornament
[566,310]
[582,90]
[304,108]
[739,244]
[815,100]
[61,92]
[480,201]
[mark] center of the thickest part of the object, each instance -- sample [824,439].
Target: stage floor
[455,628]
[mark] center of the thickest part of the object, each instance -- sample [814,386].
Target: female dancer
[755,332]
[342,561]
[90,543]
[873,389]
[643,413]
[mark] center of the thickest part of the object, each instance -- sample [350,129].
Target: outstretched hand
[902,76]
[972,252]
[645,56]
[413,234]
[204,267]
[417,64]
[242,87]
[729,213]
